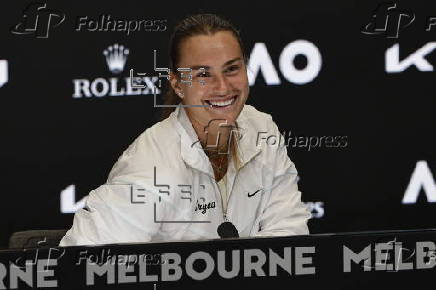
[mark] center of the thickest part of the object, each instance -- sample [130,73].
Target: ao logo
[260,60]
[421,178]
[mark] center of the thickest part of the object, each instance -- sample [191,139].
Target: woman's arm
[114,213]
[284,213]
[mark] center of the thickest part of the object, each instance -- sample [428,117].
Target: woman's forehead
[211,50]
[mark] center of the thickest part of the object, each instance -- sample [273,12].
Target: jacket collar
[193,154]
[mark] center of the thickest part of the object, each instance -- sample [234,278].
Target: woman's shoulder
[257,120]
[154,140]
[264,133]
[156,146]
[251,111]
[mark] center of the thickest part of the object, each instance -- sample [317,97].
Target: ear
[175,84]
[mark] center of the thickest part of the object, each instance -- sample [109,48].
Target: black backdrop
[53,142]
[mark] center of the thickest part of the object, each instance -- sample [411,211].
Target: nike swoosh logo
[254,193]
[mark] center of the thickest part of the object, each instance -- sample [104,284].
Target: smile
[222,103]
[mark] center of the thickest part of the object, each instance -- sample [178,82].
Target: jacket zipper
[222,203]
[217,186]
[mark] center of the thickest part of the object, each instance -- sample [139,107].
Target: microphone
[227,230]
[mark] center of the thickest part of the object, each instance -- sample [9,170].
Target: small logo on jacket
[203,207]
[254,193]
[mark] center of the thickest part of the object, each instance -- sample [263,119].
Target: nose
[221,85]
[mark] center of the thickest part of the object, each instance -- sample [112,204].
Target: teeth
[222,104]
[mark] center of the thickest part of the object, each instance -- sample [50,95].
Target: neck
[215,138]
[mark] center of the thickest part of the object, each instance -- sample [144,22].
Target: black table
[394,259]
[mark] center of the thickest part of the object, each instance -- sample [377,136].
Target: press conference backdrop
[349,83]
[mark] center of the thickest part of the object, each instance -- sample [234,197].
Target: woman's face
[219,78]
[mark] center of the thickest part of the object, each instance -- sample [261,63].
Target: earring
[181,94]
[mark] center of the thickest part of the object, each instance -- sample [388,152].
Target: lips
[222,102]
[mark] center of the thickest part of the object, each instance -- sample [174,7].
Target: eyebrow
[206,67]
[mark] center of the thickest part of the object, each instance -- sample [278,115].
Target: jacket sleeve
[125,209]
[284,213]
[113,213]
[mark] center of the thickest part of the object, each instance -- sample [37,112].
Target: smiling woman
[163,188]
[212,48]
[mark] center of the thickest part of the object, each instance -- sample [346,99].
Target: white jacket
[162,188]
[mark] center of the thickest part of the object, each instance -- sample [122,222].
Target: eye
[232,68]
[203,74]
